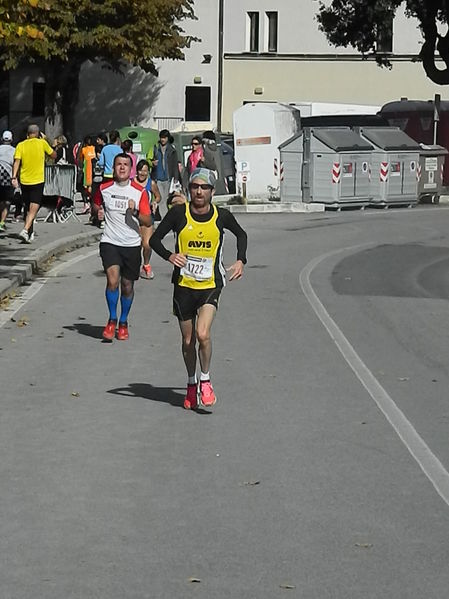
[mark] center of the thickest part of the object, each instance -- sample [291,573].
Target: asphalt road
[321,472]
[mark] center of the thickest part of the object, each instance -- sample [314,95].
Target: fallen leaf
[287,586]
[22,322]
[13,340]
[193,579]
[364,545]
[404,378]
[75,394]
[250,483]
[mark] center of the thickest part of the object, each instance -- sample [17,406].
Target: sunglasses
[195,143]
[204,186]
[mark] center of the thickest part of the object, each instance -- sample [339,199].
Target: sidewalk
[20,261]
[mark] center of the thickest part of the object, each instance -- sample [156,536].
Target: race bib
[199,269]
[119,205]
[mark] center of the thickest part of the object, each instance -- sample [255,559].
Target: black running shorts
[127,258]
[32,194]
[187,302]
[6,194]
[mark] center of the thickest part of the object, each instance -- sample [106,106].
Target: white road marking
[36,286]
[421,452]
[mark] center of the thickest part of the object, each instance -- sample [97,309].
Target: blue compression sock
[112,301]
[126,303]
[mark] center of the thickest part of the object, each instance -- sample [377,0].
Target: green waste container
[143,139]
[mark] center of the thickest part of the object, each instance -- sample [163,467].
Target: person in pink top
[196,154]
[127,147]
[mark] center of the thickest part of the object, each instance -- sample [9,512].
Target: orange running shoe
[191,398]
[109,330]
[147,272]
[207,395]
[122,334]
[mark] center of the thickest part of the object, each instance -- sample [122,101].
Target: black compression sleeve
[230,223]
[167,224]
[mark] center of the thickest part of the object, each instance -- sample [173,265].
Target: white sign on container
[431,164]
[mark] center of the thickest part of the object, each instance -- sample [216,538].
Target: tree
[60,35]
[359,23]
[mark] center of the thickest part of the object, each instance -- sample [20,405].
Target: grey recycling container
[395,160]
[430,172]
[291,158]
[329,165]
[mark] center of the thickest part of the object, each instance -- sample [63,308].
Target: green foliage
[360,23]
[134,31]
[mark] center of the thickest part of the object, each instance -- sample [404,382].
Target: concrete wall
[298,29]
[356,82]
[110,100]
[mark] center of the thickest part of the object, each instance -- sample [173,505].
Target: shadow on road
[84,328]
[147,391]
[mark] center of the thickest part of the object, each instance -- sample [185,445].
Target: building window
[272,31]
[253,32]
[38,108]
[197,103]
[384,43]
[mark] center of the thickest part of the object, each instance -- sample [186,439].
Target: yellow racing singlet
[201,243]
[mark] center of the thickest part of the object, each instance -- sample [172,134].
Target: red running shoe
[191,398]
[109,330]
[207,395]
[122,334]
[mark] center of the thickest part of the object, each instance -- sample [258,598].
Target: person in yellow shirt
[29,169]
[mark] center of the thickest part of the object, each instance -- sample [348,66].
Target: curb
[275,208]
[30,265]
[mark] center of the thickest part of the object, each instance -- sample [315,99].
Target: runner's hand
[236,270]
[178,198]
[132,205]
[178,260]
[100,213]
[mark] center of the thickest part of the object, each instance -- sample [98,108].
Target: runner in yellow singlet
[199,275]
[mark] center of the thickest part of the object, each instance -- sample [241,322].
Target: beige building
[274,51]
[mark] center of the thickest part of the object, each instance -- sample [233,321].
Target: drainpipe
[220,63]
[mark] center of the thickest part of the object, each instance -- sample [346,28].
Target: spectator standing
[60,147]
[209,159]
[196,155]
[29,166]
[100,142]
[108,154]
[6,188]
[87,160]
[165,163]
[127,147]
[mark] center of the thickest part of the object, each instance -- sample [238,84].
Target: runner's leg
[188,345]
[206,315]
[112,291]
[126,298]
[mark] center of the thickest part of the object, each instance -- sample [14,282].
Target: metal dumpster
[395,159]
[330,165]
[143,138]
[291,157]
[430,172]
